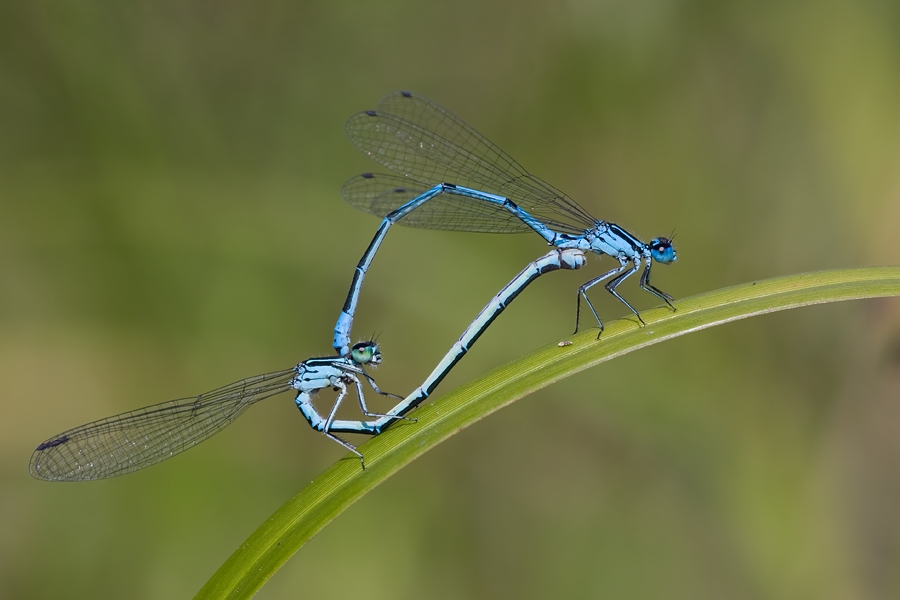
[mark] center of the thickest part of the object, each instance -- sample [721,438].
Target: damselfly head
[662,250]
[366,353]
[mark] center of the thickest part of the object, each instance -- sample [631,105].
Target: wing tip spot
[53,443]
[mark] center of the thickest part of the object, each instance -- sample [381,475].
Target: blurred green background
[170,222]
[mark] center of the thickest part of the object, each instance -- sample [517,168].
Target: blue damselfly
[449,176]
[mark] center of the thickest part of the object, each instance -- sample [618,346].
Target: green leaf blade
[342,484]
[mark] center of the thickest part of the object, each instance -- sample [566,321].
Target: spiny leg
[341,389]
[325,429]
[348,369]
[348,446]
[646,285]
[582,294]
[612,285]
[378,391]
[362,399]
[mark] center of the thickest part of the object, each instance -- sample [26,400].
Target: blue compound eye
[365,352]
[662,251]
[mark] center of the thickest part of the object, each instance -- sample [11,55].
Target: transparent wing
[381,194]
[416,138]
[140,438]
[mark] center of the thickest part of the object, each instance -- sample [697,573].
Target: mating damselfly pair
[445,175]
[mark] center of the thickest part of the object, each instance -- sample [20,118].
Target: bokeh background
[170,222]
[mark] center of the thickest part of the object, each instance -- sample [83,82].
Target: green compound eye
[364,352]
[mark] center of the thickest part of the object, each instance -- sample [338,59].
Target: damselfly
[137,439]
[140,438]
[449,176]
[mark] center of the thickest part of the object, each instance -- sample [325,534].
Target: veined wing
[381,194]
[416,138]
[140,438]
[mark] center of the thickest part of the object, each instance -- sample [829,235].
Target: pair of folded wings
[424,145]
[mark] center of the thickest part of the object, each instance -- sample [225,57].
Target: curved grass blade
[295,523]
